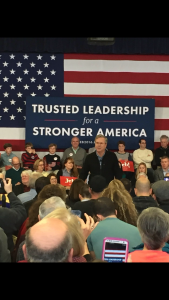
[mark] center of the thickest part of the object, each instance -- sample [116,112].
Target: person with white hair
[49,205]
[142,174]
[24,186]
[163,150]
[24,197]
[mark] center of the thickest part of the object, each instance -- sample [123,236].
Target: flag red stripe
[117,57]
[161,124]
[116,77]
[160,101]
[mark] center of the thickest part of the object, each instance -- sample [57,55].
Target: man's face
[8,150]
[100,144]
[75,143]
[142,144]
[16,164]
[165,163]
[164,143]
[52,150]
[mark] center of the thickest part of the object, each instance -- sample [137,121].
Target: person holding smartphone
[29,157]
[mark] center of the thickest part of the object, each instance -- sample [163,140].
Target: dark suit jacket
[158,174]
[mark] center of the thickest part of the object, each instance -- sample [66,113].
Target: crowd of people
[42,220]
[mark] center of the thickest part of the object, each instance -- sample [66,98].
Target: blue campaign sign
[56,120]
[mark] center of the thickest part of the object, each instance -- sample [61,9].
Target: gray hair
[59,253]
[164,137]
[33,177]
[141,174]
[153,225]
[26,172]
[101,136]
[49,205]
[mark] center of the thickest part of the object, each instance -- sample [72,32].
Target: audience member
[52,160]
[77,153]
[80,231]
[15,172]
[39,167]
[161,172]
[143,155]
[48,241]
[69,169]
[141,175]
[153,225]
[29,157]
[127,184]
[24,186]
[142,168]
[74,192]
[39,184]
[123,203]
[97,185]
[161,194]
[143,197]
[121,154]
[32,193]
[49,205]
[101,162]
[11,218]
[47,192]
[4,252]
[163,150]
[53,178]
[85,204]
[110,226]
[6,157]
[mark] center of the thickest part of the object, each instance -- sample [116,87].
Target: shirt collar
[100,156]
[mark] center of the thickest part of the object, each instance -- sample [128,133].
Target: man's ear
[100,217]
[135,190]
[154,197]
[38,217]
[80,197]
[90,191]
[24,251]
[116,212]
[70,255]
[150,191]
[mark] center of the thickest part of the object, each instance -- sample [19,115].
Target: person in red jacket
[29,157]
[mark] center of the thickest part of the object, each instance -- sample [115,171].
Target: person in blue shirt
[6,157]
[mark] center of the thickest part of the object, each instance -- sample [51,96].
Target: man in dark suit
[160,173]
[101,162]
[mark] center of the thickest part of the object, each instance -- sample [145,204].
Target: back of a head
[49,191]
[74,228]
[49,205]
[127,184]
[84,191]
[75,188]
[40,183]
[97,184]
[143,185]
[48,241]
[116,184]
[153,225]
[33,178]
[104,206]
[161,190]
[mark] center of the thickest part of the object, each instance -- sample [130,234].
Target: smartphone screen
[166,178]
[115,251]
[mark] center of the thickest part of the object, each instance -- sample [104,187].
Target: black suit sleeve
[85,169]
[117,170]
[157,160]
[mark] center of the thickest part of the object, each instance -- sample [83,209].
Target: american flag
[23,75]
[81,75]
